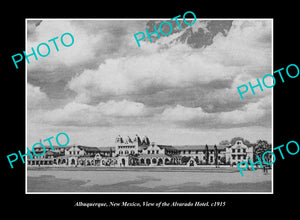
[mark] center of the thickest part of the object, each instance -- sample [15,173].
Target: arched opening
[73,161]
[154,160]
[123,161]
[148,161]
[97,162]
[167,160]
[191,163]
[142,161]
[160,161]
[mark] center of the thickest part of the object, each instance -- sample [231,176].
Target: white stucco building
[141,152]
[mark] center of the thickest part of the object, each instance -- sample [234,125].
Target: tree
[185,159]
[260,147]
[216,155]
[206,154]
[223,160]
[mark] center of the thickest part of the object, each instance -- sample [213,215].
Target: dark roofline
[167,147]
[54,146]
[86,148]
[106,149]
[200,147]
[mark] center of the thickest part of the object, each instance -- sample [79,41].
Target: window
[233,150]
[244,157]
[196,152]
[233,157]
[189,152]
[239,157]
[157,151]
[153,152]
[244,150]
[238,150]
[148,151]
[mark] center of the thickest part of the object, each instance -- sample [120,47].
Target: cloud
[94,41]
[147,74]
[82,51]
[248,115]
[102,114]
[31,26]
[35,97]
[240,56]
[123,108]
[181,113]
[248,44]
[106,81]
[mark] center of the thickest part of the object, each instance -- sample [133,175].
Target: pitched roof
[88,149]
[167,147]
[49,153]
[106,149]
[199,147]
[47,147]
[153,155]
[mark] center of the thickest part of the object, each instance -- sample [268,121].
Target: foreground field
[141,169]
[147,180]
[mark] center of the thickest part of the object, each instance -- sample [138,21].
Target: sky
[104,85]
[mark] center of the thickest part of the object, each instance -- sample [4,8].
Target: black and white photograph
[158,115]
[140,110]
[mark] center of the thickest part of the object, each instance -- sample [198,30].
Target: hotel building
[141,152]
